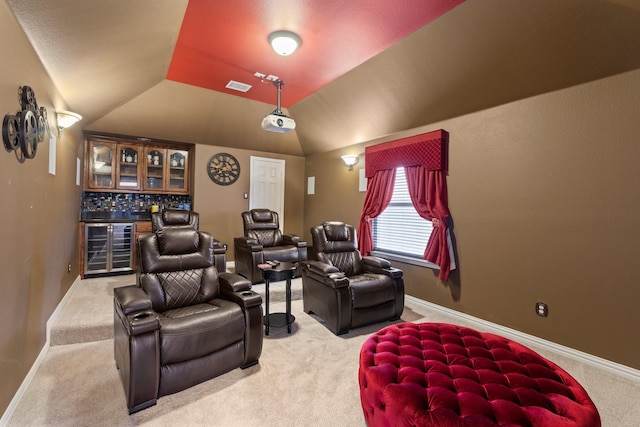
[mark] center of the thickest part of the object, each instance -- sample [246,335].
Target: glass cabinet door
[108,247]
[128,176]
[96,248]
[121,247]
[154,177]
[130,166]
[101,165]
[178,168]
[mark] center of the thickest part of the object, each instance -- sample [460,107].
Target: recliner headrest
[178,240]
[262,215]
[336,231]
[175,217]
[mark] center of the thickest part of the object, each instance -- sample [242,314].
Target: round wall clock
[223,169]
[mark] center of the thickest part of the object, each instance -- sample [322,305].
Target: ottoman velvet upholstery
[438,374]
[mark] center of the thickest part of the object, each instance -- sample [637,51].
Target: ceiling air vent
[240,87]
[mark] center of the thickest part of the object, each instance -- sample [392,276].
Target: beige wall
[39,215]
[336,196]
[545,197]
[220,206]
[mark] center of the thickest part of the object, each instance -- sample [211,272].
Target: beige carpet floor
[306,378]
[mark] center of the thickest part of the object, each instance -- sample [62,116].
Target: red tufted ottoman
[437,374]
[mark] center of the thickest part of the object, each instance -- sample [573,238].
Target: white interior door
[266,189]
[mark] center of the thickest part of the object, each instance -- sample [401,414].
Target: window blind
[399,229]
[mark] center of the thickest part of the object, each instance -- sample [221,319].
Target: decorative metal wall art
[23,131]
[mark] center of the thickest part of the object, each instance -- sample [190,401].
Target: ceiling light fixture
[284,42]
[66,119]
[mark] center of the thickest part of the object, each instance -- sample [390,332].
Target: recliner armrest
[320,267]
[293,239]
[133,307]
[325,273]
[142,322]
[218,246]
[373,264]
[375,261]
[233,282]
[131,299]
[247,243]
[238,289]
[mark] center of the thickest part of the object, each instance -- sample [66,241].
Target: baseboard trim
[519,336]
[526,339]
[36,364]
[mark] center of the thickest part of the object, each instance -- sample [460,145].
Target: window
[399,233]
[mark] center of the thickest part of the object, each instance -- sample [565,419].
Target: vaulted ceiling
[157,68]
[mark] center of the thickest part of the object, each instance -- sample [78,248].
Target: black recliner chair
[344,288]
[263,241]
[180,217]
[183,323]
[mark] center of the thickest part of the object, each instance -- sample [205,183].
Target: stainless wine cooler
[108,247]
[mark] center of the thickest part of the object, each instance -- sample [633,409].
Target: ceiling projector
[278,123]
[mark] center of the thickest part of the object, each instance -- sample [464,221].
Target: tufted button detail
[433,374]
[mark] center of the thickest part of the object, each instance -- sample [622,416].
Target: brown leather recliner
[344,288]
[183,323]
[172,217]
[263,241]
[180,217]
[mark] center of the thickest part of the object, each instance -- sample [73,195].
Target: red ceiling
[222,40]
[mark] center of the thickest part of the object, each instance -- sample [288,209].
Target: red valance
[426,149]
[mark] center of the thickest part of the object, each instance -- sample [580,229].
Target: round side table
[283,271]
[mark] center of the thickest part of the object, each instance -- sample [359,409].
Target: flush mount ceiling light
[284,42]
[66,119]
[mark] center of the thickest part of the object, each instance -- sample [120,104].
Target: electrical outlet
[542,309]
[69,268]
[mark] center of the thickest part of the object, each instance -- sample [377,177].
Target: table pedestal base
[278,320]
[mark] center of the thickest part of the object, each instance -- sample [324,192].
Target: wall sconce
[66,119]
[284,42]
[350,161]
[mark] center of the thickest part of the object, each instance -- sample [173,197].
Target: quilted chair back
[262,225]
[174,217]
[176,267]
[335,243]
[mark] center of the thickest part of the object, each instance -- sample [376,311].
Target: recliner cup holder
[140,316]
[247,293]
